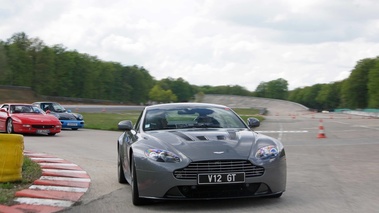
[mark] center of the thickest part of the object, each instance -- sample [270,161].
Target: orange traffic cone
[321,133]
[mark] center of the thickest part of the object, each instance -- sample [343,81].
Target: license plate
[72,124]
[43,131]
[218,178]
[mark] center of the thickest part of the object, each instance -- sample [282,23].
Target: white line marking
[58,188]
[57,164]
[280,131]
[47,159]
[64,171]
[65,179]
[47,202]
[35,154]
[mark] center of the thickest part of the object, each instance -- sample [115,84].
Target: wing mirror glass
[253,122]
[125,125]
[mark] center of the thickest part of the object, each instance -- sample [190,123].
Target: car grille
[43,126]
[193,169]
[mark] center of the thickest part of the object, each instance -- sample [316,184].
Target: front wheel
[120,170]
[137,201]
[10,126]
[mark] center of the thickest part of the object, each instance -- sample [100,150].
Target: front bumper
[161,184]
[71,124]
[19,128]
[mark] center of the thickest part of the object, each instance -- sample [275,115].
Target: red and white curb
[60,186]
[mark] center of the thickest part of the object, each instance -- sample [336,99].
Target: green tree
[5,72]
[181,88]
[373,85]
[224,89]
[19,59]
[160,95]
[141,83]
[260,91]
[328,96]
[64,72]
[296,95]
[44,71]
[277,89]
[354,89]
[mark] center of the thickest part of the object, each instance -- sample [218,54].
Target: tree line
[359,91]
[56,71]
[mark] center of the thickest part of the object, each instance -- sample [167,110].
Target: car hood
[206,144]
[64,115]
[35,118]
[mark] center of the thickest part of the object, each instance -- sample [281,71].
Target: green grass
[249,112]
[101,121]
[30,172]
[108,121]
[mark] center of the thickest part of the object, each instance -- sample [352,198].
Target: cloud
[209,42]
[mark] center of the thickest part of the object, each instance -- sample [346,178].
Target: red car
[27,119]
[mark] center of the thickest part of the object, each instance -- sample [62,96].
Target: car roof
[44,102]
[26,104]
[185,104]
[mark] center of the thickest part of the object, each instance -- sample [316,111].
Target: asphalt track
[338,173]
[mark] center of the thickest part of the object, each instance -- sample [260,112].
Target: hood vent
[202,138]
[185,137]
[232,136]
[221,137]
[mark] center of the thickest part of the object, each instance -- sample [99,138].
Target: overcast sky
[209,42]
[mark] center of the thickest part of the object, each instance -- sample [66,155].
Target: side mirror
[69,111]
[125,125]
[253,122]
[3,110]
[48,111]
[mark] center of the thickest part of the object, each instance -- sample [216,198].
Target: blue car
[68,119]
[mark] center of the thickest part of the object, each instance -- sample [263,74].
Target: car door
[3,116]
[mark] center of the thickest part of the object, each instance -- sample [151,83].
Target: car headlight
[78,116]
[267,152]
[160,155]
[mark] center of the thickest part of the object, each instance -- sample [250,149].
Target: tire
[120,171]
[137,201]
[74,128]
[51,134]
[10,126]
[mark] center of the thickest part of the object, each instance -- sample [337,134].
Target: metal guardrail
[362,113]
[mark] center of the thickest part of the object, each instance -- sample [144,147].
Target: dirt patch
[17,95]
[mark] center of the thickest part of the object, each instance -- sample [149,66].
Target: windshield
[24,109]
[197,117]
[53,107]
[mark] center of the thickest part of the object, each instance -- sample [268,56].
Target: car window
[136,126]
[58,108]
[5,107]
[178,118]
[38,110]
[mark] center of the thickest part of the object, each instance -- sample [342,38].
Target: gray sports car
[198,151]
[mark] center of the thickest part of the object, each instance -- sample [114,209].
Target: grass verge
[30,172]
